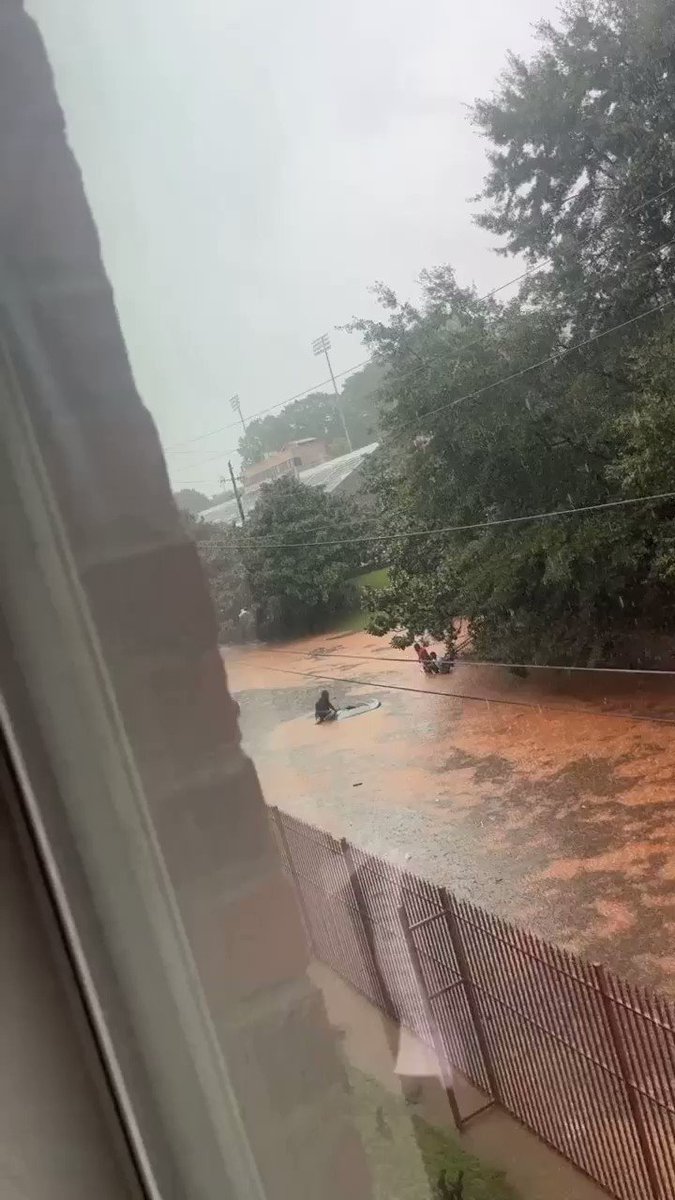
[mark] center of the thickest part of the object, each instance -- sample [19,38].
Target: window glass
[342,702]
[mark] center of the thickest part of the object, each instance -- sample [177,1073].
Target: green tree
[359,400]
[581,141]
[191,501]
[644,462]
[571,590]
[317,416]
[415,605]
[582,163]
[220,549]
[298,583]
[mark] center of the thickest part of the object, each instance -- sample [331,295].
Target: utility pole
[235,404]
[320,346]
[236,492]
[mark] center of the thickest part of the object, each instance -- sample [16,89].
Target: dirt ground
[555,810]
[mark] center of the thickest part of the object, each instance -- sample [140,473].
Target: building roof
[331,474]
[328,475]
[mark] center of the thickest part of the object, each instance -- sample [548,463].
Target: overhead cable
[280,404]
[318,654]
[419,533]
[488,700]
[420,418]
[534,269]
[544,362]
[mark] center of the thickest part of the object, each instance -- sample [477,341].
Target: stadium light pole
[235,404]
[321,345]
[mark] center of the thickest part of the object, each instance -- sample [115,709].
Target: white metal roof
[331,474]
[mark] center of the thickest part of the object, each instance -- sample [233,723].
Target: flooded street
[553,810]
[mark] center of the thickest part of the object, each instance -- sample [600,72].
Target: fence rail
[584,1059]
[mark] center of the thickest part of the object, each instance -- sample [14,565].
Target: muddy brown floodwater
[558,816]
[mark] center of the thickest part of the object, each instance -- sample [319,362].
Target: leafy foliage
[582,183]
[220,550]
[419,604]
[316,415]
[581,140]
[191,501]
[297,583]
[577,589]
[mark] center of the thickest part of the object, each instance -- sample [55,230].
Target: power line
[280,404]
[534,269]
[470,662]
[558,354]
[400,687]
[425,364]
[505,379]
[480,391]
[388,537]
[540,266]
[543,362]
[531,367]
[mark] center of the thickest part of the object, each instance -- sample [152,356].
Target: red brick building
[292,458]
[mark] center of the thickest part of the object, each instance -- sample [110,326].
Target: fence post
[281,830]
[600,974]
[465,976]
[444,1065]
[362,908]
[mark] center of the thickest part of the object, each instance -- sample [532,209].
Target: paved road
[561,820]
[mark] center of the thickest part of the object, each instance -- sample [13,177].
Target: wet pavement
[557,815]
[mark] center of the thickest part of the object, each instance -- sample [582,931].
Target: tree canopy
[558,396]
[316,415]
[582,182]
[296,582]
[191,501]
[277,566]
[581,139]
[220,550]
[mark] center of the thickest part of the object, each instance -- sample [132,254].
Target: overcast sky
[253,167]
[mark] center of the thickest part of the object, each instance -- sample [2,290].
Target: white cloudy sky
[254,165]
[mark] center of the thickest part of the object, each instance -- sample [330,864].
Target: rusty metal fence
[582,1058]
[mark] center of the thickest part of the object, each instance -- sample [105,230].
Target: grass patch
[406,1155]
[372,579]
[356,621]
[352,622]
